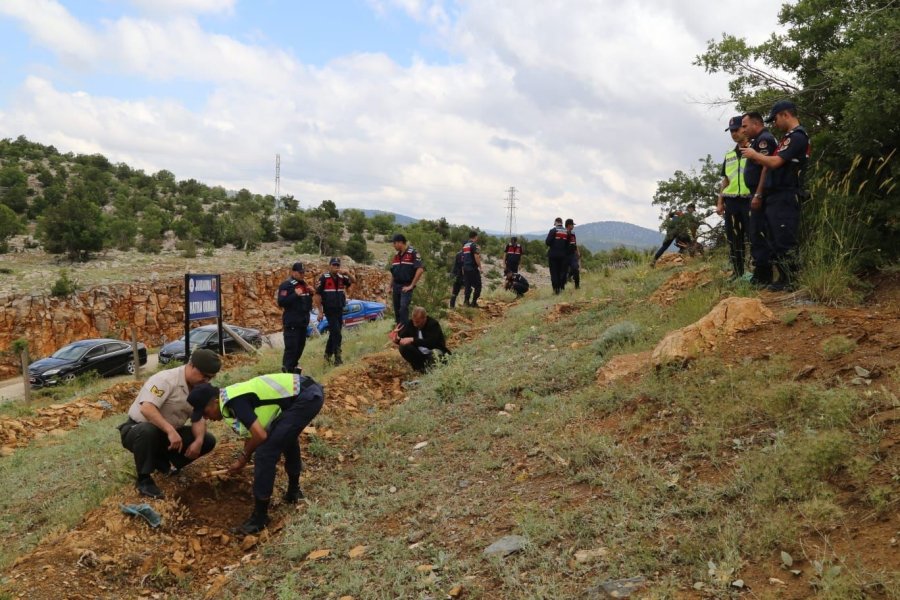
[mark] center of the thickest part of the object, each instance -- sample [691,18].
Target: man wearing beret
[785,171]
[295,297]
[269,412]
[155,431]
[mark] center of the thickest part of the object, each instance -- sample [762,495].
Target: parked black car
[208,337]
[104,356]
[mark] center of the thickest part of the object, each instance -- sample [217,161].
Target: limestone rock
[728,318]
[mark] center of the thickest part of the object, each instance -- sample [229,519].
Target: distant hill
[398,218]
[604,235]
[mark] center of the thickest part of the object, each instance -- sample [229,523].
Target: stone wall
[156,309]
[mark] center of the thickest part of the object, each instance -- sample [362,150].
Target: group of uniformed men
[762,187]
[563,255]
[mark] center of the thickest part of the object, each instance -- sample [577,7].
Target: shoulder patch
[157,392]
[283,293]
[764,144]
[786,142]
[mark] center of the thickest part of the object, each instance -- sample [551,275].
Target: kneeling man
[420,340]
[155,431]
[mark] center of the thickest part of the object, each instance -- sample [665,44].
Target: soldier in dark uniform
[763,143]
[784,172]
[406,269]
[333,297]
[472,270]
[458,281]
[517,283]
[574,256]
[558,255]
[512,256]
[295,298]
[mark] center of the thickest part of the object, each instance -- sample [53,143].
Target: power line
[511,212]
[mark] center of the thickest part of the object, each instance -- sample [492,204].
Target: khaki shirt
[168,391]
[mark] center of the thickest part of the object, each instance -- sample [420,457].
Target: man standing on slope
[733,201]
[784,172]
[295,298]
[472,270]
[574,256]
[558,255]
[406,271]
[512,256]
[332,292]
[763,143]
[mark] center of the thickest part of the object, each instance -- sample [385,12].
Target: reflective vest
[272,391]
[734,171]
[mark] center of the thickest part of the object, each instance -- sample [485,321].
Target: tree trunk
[26,379]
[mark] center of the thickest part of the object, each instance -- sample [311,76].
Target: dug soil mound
[669,292]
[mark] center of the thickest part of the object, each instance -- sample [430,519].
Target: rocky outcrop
[156,309]
[729,317]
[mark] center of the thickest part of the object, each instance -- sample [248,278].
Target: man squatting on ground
[155,431]
[295,297]
[269,411]
[420,340]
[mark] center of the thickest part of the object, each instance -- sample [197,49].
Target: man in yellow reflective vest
[733,201]
[269,411]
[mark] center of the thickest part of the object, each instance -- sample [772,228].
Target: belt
[736,197]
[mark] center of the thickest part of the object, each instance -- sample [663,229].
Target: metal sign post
[202,300]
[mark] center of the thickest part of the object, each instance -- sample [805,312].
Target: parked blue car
[356,312]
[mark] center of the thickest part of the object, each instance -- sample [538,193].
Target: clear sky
[424,107]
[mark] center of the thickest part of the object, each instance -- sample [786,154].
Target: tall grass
[834,224]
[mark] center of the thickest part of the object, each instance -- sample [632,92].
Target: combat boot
[337,358]
[294,494]
[328,359]
[258,519]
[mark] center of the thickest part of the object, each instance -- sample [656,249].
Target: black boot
[294,494]
[147,487]
[328,359]
[337,358]
[258,520]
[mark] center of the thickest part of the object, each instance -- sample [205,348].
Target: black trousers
[760,245]
[150,446]
[454,293]
[284,439]
[783,220]
[294,343]
[418,361]
[512,265]
[473,285]
[335,325]
[737,226]
[559,269]
[574,272]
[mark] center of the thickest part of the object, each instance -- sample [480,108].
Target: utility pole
[277,190]
[511,213]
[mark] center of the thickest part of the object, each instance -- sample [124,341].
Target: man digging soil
[269,411]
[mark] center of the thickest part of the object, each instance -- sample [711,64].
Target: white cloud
[581,105]
[184,6]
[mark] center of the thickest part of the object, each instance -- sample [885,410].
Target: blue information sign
[201,297]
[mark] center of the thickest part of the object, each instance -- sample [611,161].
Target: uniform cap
[335,261]
[206,361]
[297,266]
[734,123]
[557,221]
[200,397]
[398,237]
[778,107]
[570,222]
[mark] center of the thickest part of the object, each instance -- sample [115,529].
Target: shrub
[63,286]
[617,335]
